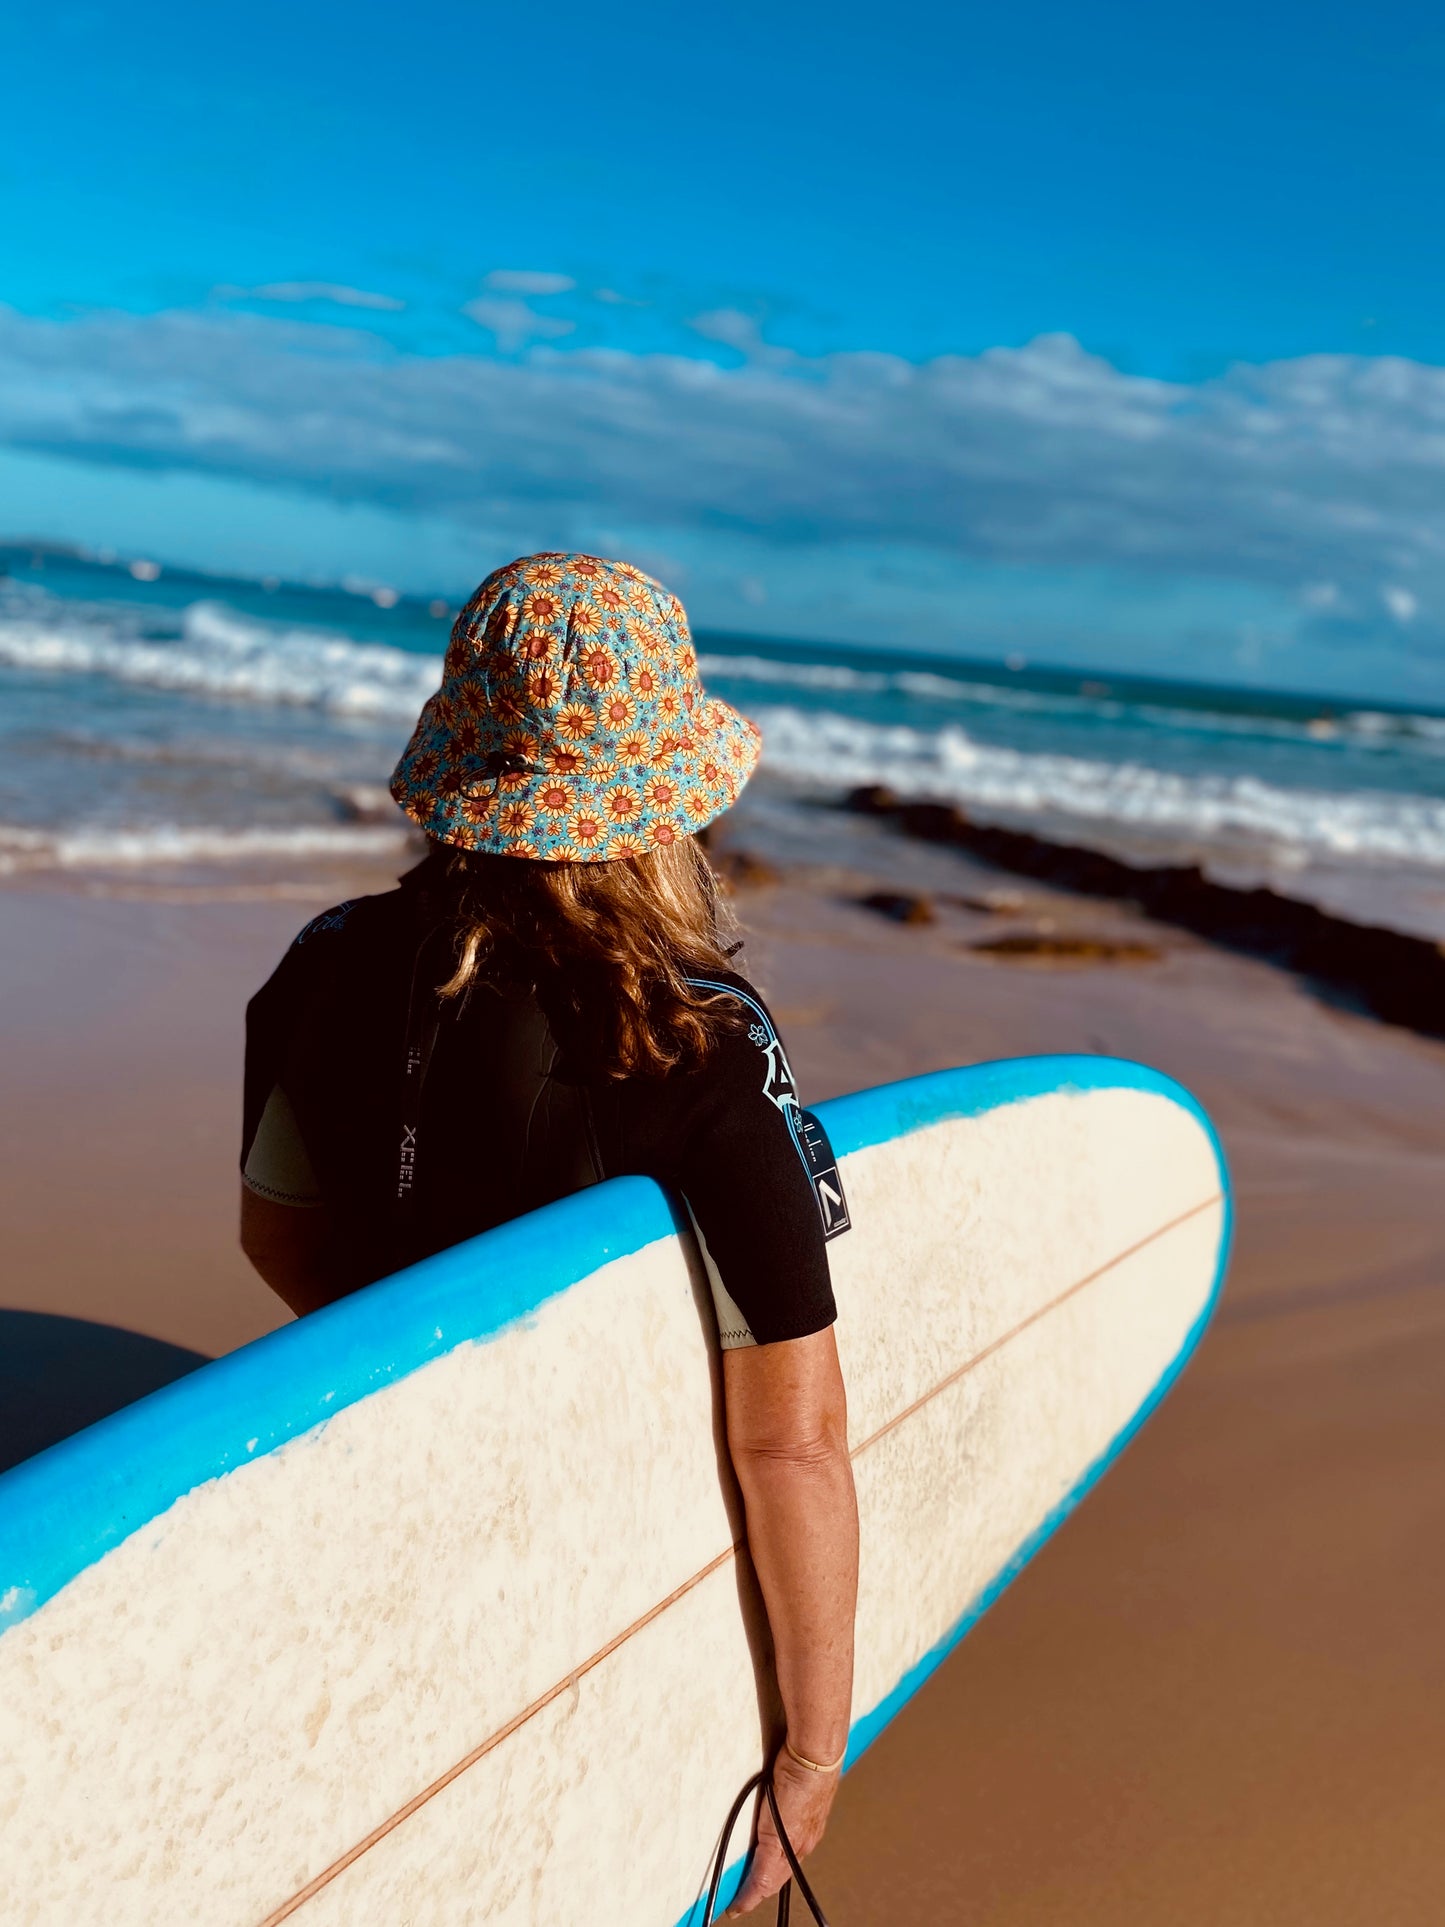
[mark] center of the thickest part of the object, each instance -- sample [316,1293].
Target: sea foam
[84,846]
[224,655]
[215,652]
[949,765]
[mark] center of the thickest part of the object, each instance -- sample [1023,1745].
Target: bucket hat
[571,724]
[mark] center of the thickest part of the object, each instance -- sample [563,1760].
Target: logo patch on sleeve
[778,1085]
[823,1171]
[333,919]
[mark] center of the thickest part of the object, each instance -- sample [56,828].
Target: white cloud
[513,323]
[734,329]
[1320,595]
[528,281]
[1326,470]
[333,291]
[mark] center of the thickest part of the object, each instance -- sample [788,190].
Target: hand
[804,1800]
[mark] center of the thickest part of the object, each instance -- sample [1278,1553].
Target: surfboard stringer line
[865,1728]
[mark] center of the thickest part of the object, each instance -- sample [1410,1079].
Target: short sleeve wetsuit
[504,1123]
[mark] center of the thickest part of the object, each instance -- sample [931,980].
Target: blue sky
[1109,333]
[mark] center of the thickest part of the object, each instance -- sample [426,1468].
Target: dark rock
[900,907]
[367,803]
[872,799]
[1032,946]
[743,870]
[1390,975]
[934,822]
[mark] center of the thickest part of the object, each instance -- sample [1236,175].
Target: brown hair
[609,947]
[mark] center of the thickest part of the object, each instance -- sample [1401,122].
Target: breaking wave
[224,655]
[1361,729]
[213,651]
[948,765]
[221,654]
[102,847]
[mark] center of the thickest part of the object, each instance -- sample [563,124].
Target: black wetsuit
[506,1121]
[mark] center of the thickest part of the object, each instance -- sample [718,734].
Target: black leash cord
[765,1781]
[799,1879]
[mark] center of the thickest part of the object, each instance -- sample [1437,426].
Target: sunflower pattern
[570,725]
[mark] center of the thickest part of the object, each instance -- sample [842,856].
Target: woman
[547,1001]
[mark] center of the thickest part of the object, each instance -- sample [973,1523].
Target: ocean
[160,719]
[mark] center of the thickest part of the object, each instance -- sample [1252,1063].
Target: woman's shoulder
[359,918]
[751,1049]
[756,1026]
[342,937]
[328,923]
[727,983]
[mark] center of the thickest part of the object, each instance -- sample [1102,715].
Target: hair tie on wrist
[814,1766]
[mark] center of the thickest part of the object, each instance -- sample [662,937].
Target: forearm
[787,1423]
[802,1522]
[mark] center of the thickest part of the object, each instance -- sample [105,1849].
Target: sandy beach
[1216,1695]
[980,473]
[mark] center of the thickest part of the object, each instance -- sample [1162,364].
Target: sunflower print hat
[570,724]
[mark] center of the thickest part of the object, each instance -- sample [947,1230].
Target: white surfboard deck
[426,1610]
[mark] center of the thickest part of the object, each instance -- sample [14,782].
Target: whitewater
[146,730]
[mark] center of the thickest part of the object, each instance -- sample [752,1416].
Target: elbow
[814,1450]
[810,1469]
[787,1410]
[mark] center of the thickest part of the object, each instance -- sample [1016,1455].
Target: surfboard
[430,1608]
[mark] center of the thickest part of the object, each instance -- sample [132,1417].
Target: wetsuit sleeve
[742,1165]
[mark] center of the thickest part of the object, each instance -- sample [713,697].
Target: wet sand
[1216,1695]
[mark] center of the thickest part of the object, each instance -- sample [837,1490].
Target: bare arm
[292,1248]
[787,1423]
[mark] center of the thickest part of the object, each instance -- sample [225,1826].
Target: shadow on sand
[58,1375]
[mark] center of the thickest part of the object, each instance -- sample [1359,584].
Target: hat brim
[600,809]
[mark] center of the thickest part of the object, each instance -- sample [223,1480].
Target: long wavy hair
[609,948]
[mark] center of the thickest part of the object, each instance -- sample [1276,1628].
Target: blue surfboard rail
[920,1099]
[69,1506]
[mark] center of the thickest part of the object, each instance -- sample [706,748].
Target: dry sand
[1217,1695]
